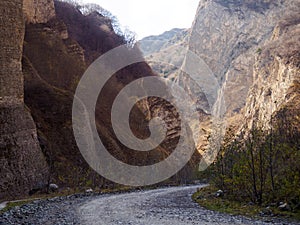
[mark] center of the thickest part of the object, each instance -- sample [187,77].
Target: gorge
[251,47]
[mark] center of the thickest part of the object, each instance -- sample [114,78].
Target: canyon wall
[228,35]
[252,48]
[23,166]
[245,44]
[276,76]
[56,54]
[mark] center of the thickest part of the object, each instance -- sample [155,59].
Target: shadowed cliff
[23,166]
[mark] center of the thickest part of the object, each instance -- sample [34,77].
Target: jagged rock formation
[23,166]
[58,47]
[38,11]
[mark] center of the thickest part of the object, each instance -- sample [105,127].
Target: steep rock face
[56,54]
[23,166]
[277,77]
[11,89]
[227,35]
[38,11]
[252,47]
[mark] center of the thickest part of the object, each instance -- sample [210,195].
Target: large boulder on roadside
[53,187]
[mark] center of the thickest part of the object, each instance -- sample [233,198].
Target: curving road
[162,207]
[168,206]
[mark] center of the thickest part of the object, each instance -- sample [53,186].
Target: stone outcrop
[38,11]
[23,166]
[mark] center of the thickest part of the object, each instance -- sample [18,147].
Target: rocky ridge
[158,43]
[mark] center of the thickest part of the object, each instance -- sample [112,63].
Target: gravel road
[166,206]
[169,206]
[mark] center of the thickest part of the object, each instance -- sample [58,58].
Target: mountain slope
[58,53]
[233,38]
[253,49]
[156,43]
[58,47]
[165,53]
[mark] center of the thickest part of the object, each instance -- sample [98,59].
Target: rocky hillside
[50,99]
[156,43]
[59,44]
[240,42]
[252,48]
[165,53]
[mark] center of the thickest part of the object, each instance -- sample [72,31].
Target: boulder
[88,191]
[219,193]
[53,187]
[284,206]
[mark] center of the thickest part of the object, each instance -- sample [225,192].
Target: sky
[151,17]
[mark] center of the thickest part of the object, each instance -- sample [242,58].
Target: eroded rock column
[22,164]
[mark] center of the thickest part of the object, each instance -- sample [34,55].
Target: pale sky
[151,17]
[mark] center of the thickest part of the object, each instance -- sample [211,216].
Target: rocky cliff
[231,37]
[50,83]
[259,161]
[276,77]
[23,166]
[240,42]
[227,35]
[50,54]
[252,47]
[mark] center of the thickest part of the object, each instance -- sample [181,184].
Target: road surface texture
[171,206]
